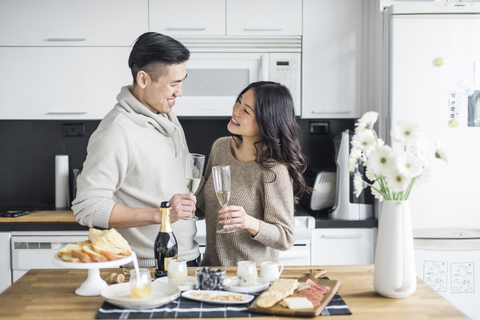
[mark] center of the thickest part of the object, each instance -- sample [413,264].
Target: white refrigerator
[431,74]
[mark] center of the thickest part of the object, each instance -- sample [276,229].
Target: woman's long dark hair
[275,116]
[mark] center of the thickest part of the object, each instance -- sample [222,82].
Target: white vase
[394,274]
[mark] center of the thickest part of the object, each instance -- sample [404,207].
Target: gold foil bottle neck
[166,226]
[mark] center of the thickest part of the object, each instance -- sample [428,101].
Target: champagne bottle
[165,245]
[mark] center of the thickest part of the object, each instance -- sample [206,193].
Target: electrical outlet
[73,129]
[319,127]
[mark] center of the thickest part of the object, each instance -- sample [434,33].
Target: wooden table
[50,294]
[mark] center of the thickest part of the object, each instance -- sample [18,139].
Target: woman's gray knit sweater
[270,202]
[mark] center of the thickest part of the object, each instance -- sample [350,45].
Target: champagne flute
[222,183]
[193,175]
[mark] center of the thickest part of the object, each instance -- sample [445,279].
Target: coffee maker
[347,206]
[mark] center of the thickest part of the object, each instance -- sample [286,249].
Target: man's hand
[183,206]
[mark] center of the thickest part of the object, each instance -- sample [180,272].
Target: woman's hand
[238,218]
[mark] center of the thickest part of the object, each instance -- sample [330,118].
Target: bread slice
[81,255]
[88,249]
[109,240]
[117,240]
[94,235]
[108,251]
[67,249]
[69,258]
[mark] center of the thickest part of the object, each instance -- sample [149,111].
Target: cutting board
[311,312]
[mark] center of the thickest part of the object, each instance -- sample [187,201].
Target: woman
[266,164]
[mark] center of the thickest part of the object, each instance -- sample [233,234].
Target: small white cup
[177,272]
[246,274]
[269,271]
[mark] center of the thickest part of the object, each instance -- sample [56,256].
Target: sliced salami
[322,289]
[312,294]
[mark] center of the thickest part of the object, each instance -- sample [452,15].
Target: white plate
[189,285]
[214,293]
[119,295]
[90,265]
[233,286]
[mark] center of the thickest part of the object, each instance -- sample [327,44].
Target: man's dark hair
[153,51]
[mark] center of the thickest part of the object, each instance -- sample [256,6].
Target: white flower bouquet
[389,174]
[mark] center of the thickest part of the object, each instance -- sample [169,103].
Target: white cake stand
[94,283]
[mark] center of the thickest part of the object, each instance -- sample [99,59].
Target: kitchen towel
[62,190]
[186,308]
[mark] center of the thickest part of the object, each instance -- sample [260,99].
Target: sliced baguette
[88,249]
[107,251]
[110,240]
[67,249]
[81,255]
[117,240]
[69,258]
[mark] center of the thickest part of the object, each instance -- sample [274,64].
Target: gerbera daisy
[366,122]
[375,191]
[364,141]
[354,159]
[381,160]
[405,131]
[440,152]
[409,165]
[425,176]
[370,174]
[396,182]
[359,184]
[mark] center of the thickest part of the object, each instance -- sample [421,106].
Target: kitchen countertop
[323,221]
[50,294]
[63,220]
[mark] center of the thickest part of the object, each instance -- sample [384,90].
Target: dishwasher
[35,249]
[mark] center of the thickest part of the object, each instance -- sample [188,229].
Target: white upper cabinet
[61,82]
[72,22]
[188,17]
[266,17]
[226,17]
[332,59]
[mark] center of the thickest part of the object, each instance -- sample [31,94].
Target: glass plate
[189,285]
[190,294]
[233,286]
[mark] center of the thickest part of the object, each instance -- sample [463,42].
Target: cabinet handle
[187,29]
[66,39]
[67,112]
[331,112]
[342,235]
[263,29]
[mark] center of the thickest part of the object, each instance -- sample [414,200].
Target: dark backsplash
[28,149]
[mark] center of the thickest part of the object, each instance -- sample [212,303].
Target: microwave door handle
[264,71]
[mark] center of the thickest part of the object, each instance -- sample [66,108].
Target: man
[135,158]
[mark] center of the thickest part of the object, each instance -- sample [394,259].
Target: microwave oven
[215,78]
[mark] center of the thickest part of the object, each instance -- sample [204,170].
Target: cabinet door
[188,17]
[61,83]
[343,246]
[72,22]
[332,59]
[266,17]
